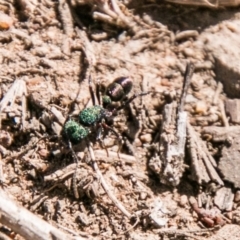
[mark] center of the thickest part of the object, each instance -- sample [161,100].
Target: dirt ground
[49,51]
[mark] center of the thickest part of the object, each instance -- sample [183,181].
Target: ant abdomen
[117,90]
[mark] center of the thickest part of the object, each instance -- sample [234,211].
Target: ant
[98,114]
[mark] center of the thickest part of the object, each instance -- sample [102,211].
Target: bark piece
[203,164]
[168,163]
[208,3]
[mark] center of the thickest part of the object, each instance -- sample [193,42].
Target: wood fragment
[18,89]
[203,162]
[224,199]
[170,166]
[208,3]
[105,186]
[186,34]
[66,17]
[113,157]
[61,174]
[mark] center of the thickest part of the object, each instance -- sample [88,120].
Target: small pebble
[189,52]
[183,201]
[143,195]
[229,215]
[237,196]
[200,107]
[146,138]
[5,21]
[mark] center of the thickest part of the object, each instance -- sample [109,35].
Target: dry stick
[25,223]
[2,180]
[172,152]
[223,113]
[197,3]
[105,186]
[17,89]
[66,17]
[24,105]
[113,157]
[87,48]
[61,174]
[219,102]
[182,115]
[217,93]
[205,155]
[4,236]
[198,166]
[187,79]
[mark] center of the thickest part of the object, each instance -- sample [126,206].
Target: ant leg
[74,179]
[116,134]
[129,146]
[130,100]
[90,85]
[99,138]
[98,93]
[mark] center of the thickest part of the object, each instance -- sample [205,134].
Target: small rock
[201,107]
[228,215]
[229,164]
[237,196]
[188,52]
[226,54]
[224,199]
[232,107]
[143,196]
[183,201]
[5,21]
[146,138]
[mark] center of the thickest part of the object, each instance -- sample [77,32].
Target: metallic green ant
[98,115]
[95,117]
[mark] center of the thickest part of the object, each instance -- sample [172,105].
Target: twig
[87,48]
[217,93]
[205,3]
[105,186]
[66,17]
[202,157]
[113,157]
[187,79]
[186,34]
[223,113]
[173,138]
[4,236]
[18,89]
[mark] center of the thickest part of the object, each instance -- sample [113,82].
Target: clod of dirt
[233,109]
[226,54]
[229,164]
